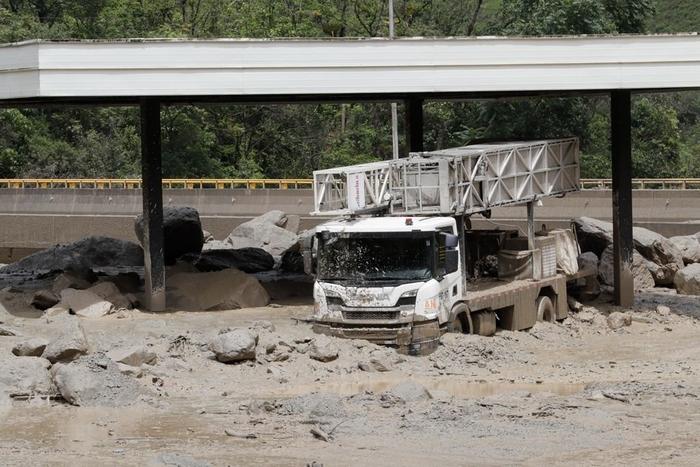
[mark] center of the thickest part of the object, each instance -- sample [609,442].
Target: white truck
[397,268]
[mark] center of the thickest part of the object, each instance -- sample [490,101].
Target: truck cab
[391,280]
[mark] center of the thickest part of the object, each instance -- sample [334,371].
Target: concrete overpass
[154,73]
[32,219]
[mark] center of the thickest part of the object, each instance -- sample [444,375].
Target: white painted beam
[351,66]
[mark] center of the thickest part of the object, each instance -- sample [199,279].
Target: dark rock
[44,299]
[292,261]
[86,254]
[182,232]
[248,260]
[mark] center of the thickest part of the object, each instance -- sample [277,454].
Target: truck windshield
[395,258]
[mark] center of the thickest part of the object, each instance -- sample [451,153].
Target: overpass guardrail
[292,183]
[171,183]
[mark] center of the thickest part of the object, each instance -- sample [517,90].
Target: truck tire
[461,321]
[484,323]
[545,309]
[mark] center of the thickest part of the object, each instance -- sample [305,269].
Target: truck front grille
[371,315]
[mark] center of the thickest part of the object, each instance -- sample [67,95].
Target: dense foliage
[292,140]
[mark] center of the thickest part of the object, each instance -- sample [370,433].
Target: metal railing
[171,183]
[293,183]
[644,183]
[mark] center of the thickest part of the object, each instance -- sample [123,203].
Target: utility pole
[394,106]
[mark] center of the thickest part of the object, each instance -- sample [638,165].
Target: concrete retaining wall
[31,219]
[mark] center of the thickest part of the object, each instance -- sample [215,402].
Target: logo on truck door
[356,191]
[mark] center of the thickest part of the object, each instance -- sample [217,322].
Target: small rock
[320,434]
[585,316]
[663,310]
[323,349]
[85,303]
[234,346]
[236,434]
[67,346]
[44,299]
[133,356]
[263,324]
[30,348]
[617,320]
[5,331]
[409,391]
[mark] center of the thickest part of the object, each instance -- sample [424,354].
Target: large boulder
[593,234]
[220,290]
[250,260]
[687,280]
[234,346]
[68,345]
[689,246]
[659,250]
[87,254]
[26,376]
[95,381]
[182,232]
[266,232]
[640,272]
[588,261]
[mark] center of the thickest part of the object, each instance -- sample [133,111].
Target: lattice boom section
[462,180]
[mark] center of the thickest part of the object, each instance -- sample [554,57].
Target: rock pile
[657,260]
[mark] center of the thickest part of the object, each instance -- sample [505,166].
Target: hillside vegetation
[293,140]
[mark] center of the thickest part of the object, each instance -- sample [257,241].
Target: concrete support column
[152,193]
[623,243]
[414,124]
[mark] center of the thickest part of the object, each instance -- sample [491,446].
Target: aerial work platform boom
[456,181]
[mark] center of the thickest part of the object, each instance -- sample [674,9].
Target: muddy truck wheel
[461,321]
[484,323]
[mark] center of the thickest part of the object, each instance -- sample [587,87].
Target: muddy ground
[575,392]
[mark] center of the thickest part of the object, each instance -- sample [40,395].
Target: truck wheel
[545,309]
[461,323]
[484,323]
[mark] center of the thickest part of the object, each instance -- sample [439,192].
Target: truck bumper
[419,338]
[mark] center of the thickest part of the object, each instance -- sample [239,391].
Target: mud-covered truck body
[402,266]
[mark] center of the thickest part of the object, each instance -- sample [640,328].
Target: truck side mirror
[451,241]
